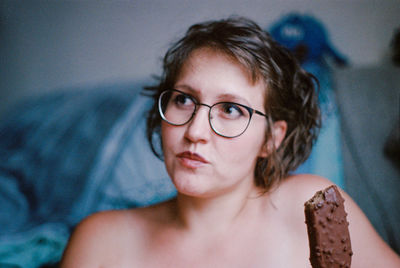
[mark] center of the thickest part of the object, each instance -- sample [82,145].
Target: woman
[234,114]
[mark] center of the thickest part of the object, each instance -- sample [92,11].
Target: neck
[218,213]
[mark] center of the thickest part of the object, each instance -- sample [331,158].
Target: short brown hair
[290,90]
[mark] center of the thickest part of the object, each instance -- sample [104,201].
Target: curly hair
[291,92]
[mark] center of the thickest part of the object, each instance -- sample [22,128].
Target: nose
[199,129]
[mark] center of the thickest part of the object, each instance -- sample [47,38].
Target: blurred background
[48,45]
[72,120]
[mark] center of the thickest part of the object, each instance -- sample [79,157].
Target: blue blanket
[66,155]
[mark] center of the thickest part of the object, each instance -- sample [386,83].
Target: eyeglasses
[227,119]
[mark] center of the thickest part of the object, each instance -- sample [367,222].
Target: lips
[191,160]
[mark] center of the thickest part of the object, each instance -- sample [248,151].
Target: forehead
[235,58]
[215,72]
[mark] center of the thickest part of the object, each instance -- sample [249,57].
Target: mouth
[191,160]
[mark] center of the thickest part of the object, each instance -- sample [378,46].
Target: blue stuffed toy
[306,37]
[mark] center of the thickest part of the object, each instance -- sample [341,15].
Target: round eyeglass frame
[197,104]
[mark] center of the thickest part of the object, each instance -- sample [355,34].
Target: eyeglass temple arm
[260,113]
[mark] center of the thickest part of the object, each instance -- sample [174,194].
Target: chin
[194,186]
[189,186]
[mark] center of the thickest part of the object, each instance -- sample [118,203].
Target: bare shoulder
[291,194]
[303,186]
[107,237]
[93,237]
[288,199]
[297,189]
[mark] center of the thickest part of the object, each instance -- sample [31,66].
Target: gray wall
[47,45]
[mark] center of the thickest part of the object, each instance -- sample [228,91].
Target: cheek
[171,142]
[167,143]
[240,154]
[169,136]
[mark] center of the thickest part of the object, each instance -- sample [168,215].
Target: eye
[231,110]
[182,101]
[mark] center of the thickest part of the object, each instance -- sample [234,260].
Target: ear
[278,134]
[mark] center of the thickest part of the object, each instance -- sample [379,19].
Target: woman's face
[200,162]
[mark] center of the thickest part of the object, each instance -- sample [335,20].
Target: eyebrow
[189,88]
[222,97]
[233,98]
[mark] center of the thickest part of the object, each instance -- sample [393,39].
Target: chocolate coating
[327,227]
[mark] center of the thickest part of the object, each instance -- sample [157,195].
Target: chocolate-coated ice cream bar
[327,228]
